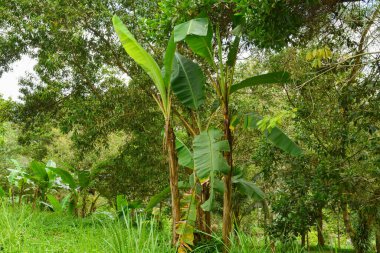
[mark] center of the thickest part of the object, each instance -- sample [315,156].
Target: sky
[9,81]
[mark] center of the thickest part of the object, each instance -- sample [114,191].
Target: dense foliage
[232,120]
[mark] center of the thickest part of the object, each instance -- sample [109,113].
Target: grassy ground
[24,230]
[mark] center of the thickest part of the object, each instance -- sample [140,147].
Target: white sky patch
[9,81]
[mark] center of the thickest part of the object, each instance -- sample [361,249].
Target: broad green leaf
[156,199]
[66,177]
[185,157]
[65,202]
[198,26]
[270,78]
[121,202]
[54,203]
[188,85]
[202,45]
[39,171]
[209,160]
[248,188]
[168,60]
[140,56]
[276,135]
[208,157]
[161,196]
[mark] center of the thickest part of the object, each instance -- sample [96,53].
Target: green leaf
[198,26]
[2,192]
[54,203]
[39,171]
[168,60]
[66,177]
[188,85]
[140,56]
[162,195]
[270,78]
[121,202]
[156,199]
[202,45]
[65,202]
[185,157]
[248,188]
[276,135]
[209,160]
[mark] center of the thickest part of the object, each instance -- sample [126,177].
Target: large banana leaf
[185,157]
[197,26]
[162,195]
[276,135]
[39,171]
[270,78]
[209,160]
[199,40]
[248,188]
[140,56]
[202,46]
[188,84]
[66,177]
[168,60]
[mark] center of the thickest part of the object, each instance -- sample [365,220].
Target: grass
[24,230]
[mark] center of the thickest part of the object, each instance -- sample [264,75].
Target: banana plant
[17,177]
[78,187]
[198,34]
[58,206]
[42,177]
[162,81]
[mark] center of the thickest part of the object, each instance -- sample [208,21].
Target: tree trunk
[84,207]
[303,240]
[21,193]
[347,223]
[173,174]
[227,198]
[378,240]
[207,215]
[321,239]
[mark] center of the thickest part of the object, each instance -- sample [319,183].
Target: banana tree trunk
[84,206]
[21,193]
[207,215]
[227,197]
[173,174]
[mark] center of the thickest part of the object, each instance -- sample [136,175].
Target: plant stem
[173,174]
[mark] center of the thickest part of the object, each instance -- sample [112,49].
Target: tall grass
[25,230]
[137,234]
